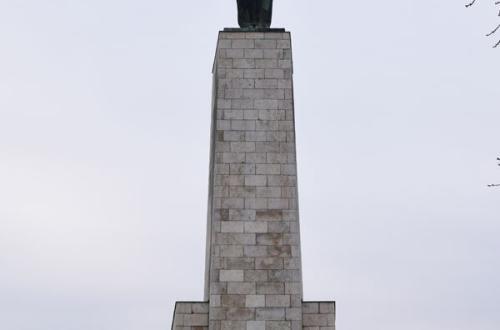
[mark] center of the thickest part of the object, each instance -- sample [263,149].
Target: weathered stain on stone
[269,215]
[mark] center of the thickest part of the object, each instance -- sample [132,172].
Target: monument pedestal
[253,277]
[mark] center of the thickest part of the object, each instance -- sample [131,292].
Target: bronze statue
[255,14]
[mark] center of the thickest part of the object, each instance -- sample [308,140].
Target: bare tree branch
[497,2]
[470,4]
[494,31]
[498,159]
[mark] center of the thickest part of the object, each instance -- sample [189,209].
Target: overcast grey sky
[104,140]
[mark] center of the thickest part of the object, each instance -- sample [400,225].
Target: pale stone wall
[255,268]
[190,316]
[318,315]
[253,277]
[194,316]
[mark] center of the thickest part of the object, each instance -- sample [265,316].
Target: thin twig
[494,30]
[498,159]
[497,2]
[470,4]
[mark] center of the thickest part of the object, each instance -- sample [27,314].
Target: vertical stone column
[254,276]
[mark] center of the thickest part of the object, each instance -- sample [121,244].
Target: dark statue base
[255,14]
[254,30]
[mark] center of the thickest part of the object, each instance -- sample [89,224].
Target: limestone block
[269,263]
[273,53]
[232,227]
[255,203]
[243,125]
[256,276]
[279,227]
[320,315]
[270,313]
[268,192]
[270,73]
[277,300]
[244,43]
[266,104]
[242,104]
[266,63]
[266,83]
[241,215]
[278,325]
[233,301]
[233,325]
[293,288]
[256,136]
[284,276]
[239,263]
[243,63]
[269,215]
[255,301]
[265,44]
[293,314]
[231,251]
[256,227]
[280,251]
[268,169]
[199,308]
[283,44]
[292,263]
[191,316]
[256,325]
[327,307]
[255,251]
[242,192]
[235,239]
[233,53]
[271,288]
[254,73]
[274,35]
[241,288]
[196,320]
[255,180]
[254,53]
[253,158]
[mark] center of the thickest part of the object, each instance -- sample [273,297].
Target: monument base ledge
[191,315]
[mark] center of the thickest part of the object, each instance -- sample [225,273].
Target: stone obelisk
[253,277]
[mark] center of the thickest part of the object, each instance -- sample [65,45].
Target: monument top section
[255,14]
